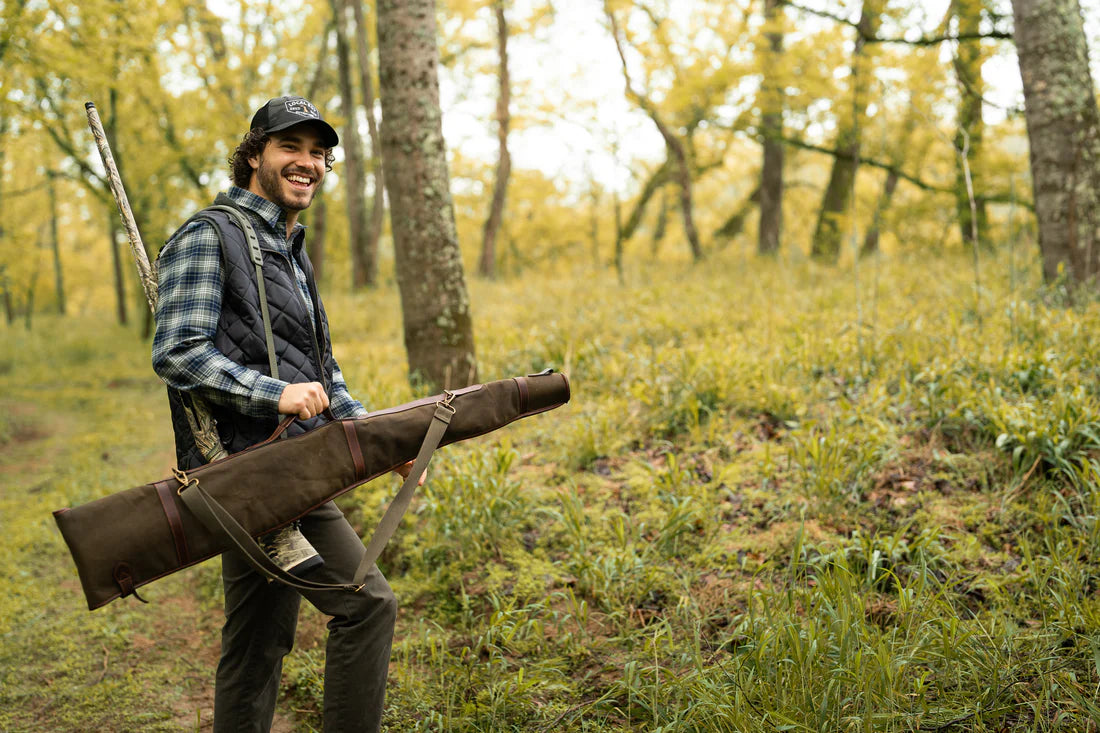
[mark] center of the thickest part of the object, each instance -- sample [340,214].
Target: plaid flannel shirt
[190,281]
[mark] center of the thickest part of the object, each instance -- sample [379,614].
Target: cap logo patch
[302,108]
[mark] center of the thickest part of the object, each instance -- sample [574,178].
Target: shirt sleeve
[189,300]
[341,402]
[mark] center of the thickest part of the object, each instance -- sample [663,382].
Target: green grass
[777,501]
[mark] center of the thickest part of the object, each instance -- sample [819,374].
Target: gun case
[128,539]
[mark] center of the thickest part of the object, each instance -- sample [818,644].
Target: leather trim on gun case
[128,539]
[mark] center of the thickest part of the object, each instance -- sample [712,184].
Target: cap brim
[329,138]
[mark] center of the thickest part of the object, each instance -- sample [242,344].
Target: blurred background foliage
[592,181]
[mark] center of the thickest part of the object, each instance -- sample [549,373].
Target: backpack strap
[238,217]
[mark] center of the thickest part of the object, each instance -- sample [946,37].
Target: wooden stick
[145,271]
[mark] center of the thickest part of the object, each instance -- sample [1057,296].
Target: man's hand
[404,469]
[306,400]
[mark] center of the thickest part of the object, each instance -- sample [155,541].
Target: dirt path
[168,649]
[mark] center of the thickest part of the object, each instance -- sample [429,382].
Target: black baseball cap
[283,112]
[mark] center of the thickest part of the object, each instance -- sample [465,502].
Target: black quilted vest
[301,337]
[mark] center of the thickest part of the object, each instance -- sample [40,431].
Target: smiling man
[212,341]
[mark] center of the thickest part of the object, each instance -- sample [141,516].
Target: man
[211,342]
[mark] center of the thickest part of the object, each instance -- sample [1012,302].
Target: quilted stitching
[241,337]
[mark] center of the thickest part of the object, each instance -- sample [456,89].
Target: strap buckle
[448,398]
[185,480]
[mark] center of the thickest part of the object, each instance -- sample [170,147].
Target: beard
[277,190]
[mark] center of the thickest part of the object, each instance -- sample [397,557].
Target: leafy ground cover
[782,498]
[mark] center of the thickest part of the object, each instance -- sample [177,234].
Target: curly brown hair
[252,145]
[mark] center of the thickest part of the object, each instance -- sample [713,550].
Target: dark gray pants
[260,619]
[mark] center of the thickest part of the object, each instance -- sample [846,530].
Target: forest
[822,275]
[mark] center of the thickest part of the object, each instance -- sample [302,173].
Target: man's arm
[191,278]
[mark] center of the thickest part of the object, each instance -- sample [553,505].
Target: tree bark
[436,309]
[1063,127]
[971,127]
[363,260]
[838,192]
[487,263]
[378,203]
[771,126]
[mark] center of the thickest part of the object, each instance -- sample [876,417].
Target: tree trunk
[594,218]
[436,308]
[58,278]
[838,192]
[893,175]
[319,77]
[617,208]
[1063,127]
[771,125]
[116,262]
[363,264]
[318,210]
[968,138]
[683,177]
[5,286]
[316,240]
[870,240]
[28,312]
[378,203]
[660,227]
[656,180]
[487,264]
[9,306]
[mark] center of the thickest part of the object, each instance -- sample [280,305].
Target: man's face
[290,169]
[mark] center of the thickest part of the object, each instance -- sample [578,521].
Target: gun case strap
[220,522]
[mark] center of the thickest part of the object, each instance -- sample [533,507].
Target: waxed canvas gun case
[133,537]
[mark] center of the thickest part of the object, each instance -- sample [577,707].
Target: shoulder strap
[238,217]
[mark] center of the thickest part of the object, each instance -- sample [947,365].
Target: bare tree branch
[894,168]
[922,41]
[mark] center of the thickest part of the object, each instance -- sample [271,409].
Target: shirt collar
[271,214]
